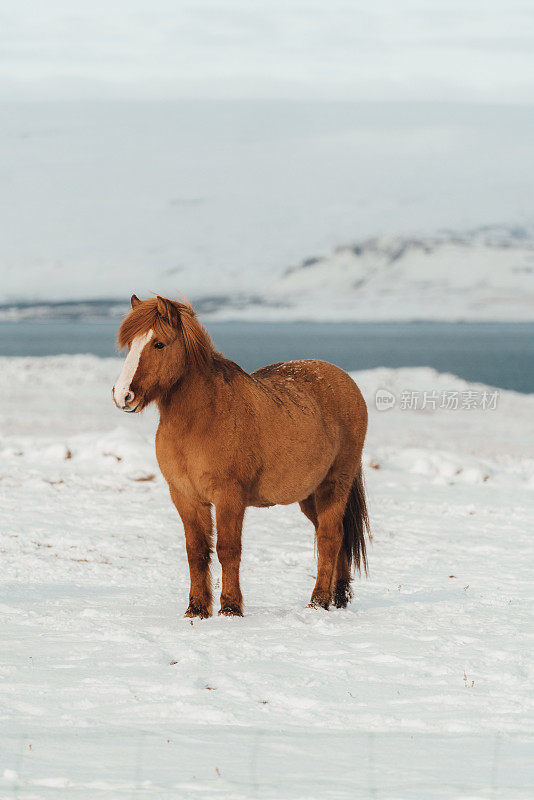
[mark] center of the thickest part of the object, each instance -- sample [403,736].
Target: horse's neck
[193,395]
[200,398]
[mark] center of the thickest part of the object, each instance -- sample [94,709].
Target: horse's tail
[356,525]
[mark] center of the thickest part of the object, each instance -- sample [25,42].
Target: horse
[291,432]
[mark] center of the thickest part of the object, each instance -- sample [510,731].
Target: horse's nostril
[128,397]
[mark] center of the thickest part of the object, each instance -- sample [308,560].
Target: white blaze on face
[122,386]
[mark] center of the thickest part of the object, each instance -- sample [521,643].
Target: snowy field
[421,689]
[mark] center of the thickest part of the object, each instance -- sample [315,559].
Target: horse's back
[323,380]
[323,387]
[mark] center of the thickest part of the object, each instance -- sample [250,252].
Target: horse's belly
[293,476]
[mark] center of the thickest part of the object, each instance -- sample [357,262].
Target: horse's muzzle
[126,402]
[129,410]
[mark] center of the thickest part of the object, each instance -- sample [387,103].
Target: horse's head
[164,341]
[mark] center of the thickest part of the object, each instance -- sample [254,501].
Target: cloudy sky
[459,50]
[206,190]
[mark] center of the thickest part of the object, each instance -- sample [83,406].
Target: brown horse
[289,432]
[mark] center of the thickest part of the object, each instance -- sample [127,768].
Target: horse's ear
[168,311]
[134,300]
[162,306]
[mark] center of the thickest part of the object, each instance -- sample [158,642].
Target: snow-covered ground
[422,688]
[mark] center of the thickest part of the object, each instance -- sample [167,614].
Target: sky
[395,50]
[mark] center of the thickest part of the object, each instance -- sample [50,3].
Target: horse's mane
[167,318]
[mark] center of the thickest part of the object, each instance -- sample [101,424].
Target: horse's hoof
[230,610]
[197,610]
[316,602]
[342,594]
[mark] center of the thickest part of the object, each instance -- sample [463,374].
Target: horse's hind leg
[342,589]
[307,507]
[330,502]
[342,593]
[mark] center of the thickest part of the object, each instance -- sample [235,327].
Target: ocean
[498,354]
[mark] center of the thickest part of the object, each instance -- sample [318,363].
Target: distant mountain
[482,274]
[69,310]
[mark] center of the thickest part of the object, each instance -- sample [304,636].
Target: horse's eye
[159,345]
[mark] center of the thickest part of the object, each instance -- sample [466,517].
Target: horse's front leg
[229,515]
[198,527]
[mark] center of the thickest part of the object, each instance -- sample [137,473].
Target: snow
[484,274]
[421,688]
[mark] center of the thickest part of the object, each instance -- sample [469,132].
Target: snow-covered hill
[422,688]
[486,274]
